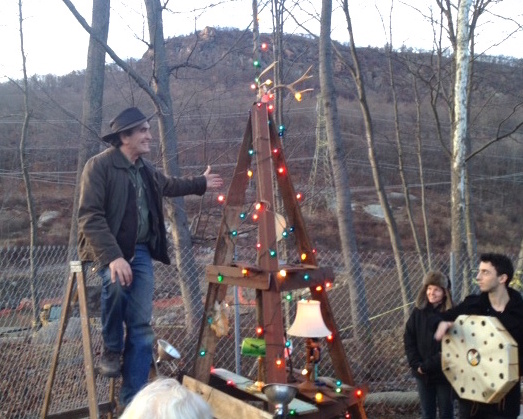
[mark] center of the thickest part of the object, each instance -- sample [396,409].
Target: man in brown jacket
[121,230]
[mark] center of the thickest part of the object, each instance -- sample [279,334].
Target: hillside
[211,89]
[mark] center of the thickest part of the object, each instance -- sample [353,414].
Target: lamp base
[256,387]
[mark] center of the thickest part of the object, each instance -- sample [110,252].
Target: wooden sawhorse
[76,288]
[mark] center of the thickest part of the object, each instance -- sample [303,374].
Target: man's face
[138,143]
[488,278]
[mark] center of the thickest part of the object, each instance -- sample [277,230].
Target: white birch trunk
[459,133]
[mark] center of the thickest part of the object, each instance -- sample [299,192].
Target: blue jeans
[131,305]
[435,397]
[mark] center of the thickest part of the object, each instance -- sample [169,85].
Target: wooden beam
[267,255]
[290,202]
[233,275]
[295,278]
[223,405]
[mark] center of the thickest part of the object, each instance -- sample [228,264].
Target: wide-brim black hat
[127,119]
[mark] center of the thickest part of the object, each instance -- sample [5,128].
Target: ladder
[76,289]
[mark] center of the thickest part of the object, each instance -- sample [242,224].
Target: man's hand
[442,329]
[214,180]
[121,269]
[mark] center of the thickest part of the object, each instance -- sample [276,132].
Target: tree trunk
[459,132]
[395,239]
[33,238]
[426,226]
[92,106]
[191,292]
[399,147]
[338,157]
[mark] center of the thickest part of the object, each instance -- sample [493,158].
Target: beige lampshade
[309,321]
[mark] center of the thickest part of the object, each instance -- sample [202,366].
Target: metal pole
[452,275]
[237,342]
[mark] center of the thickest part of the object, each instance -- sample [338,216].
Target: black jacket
[107,215]
[421,348]
[512,320]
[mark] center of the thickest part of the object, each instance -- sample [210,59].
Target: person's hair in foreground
[501,263]
[166,398]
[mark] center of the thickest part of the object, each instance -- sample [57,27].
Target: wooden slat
[290,203]
[270,300]
[223,405]
[294,278]
[232,275]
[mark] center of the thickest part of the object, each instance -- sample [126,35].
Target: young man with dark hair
[498,300]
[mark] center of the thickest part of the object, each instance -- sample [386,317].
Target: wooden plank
[208,340]
[233,275]
[290,202]
[244,384]
[87,346]
[264,189]
[339,360]
[274,336]
[223,405]
[267,255]
[64,318]
[295,278]
[82,412]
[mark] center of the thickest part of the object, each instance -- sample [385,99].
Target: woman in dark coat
[424,352]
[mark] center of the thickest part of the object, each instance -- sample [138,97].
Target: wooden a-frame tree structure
[262,142]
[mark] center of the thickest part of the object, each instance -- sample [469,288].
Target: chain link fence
[375,353]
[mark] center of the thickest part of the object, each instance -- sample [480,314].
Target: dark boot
[110,364]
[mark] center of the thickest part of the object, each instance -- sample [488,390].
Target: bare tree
[397,248]
[399,147]
[423,199]
[33,241]
[459,133]
[338,157]
[278,10]
[460,31]
[91,124]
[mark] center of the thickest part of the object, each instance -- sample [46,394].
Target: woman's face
[435,294]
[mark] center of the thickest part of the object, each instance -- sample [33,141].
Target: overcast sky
[56,44]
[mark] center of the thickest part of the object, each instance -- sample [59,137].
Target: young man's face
[138,143]
[488,278]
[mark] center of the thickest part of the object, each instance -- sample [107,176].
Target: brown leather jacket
[107,214]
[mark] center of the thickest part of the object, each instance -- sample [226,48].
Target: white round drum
[480,358]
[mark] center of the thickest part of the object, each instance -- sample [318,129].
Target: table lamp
[309,324]
[255,347]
